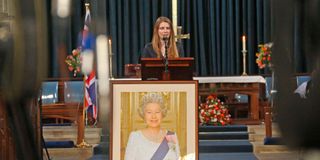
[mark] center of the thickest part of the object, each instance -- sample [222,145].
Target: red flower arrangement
[264,55]
[213,112]
[73,62]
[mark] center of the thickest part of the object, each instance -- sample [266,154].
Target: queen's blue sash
[163,149]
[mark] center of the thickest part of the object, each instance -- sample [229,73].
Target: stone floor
[278,156]
[68,154]
[294,155]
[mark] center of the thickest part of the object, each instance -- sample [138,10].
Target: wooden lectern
[178,69]
[132,70]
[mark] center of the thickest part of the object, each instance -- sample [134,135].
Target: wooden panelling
[7,143]
[7,147]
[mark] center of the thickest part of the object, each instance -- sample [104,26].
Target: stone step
[68,128]
[229,156]
[222,135]
[257,133]
[69,153]
[259,147]
[260,129]
[257,137]
[74,139]
[260,137]
[279,156]
[229,128]
[99,157]
[101,148]
[224,146]
[62,133]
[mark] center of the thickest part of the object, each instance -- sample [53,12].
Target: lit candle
[110,58]
[110,47]
[243,43]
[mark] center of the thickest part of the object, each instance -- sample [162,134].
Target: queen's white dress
[140,148]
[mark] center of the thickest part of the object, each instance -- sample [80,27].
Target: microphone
[166,62]
[165,38]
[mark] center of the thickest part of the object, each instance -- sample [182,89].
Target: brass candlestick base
[83,144]
[110,65]
[244,74]
[244,53]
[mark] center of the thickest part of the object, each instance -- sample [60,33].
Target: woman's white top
[141,148]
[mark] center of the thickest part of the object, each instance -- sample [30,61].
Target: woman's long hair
[156,42]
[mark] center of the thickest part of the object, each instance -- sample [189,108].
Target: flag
[87,39]
[90,94]
[87,43]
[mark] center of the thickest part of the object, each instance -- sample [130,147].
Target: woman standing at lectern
[163,33]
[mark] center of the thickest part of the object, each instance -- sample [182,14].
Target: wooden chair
[73,97]
[265,109]
[301,79]
[73,91]
[49,95]
[49,92]
[265,99]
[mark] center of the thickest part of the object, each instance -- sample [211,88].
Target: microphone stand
[166,74]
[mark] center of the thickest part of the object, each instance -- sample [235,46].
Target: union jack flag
[90,94]
[90,80]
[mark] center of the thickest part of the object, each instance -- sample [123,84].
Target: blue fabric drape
[215,27]
[63,37]
[131,27]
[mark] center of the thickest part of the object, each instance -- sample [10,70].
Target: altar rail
[229,86]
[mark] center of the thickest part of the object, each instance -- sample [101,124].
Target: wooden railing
[253,90]
[268,109]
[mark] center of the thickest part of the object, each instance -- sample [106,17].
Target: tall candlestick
[244,53]
[110,58]
[175,15]
[244,43]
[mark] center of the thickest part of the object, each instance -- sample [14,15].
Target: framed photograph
[181,118]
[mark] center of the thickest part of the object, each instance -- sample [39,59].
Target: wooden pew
[72,111]
[69,111]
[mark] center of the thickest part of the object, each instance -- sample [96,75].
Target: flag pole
[84,144]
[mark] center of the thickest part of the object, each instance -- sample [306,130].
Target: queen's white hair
[152,98]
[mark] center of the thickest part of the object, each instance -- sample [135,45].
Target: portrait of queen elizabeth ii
[154,120]
[154,141]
